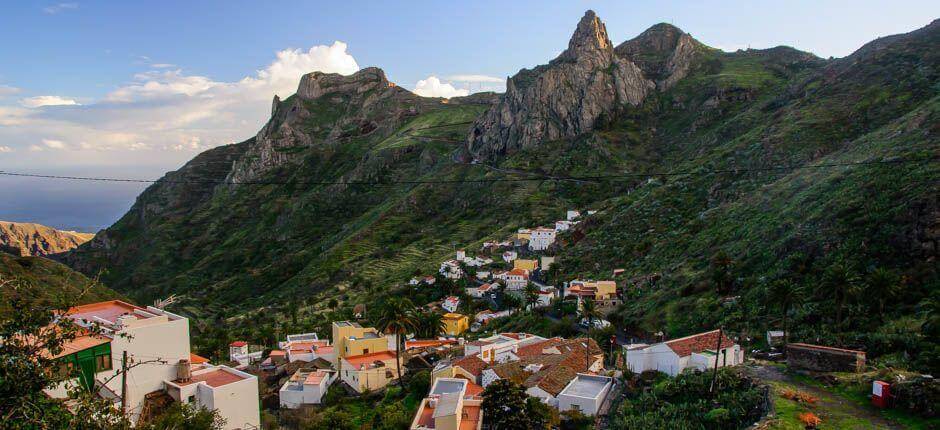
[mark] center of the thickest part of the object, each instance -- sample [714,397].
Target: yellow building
[525,264]
[369,372]
[352,339]
[455,324]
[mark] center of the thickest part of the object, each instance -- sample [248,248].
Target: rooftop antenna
[163,303]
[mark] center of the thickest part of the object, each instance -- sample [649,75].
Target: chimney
[184,371]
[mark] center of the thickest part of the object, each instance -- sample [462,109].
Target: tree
[721,272]
[841,283]
[183,416]
[504,406]
[882,285]
[510,301]
[785,295]
[531,293]
[397,317]
[428,324]
[589,311]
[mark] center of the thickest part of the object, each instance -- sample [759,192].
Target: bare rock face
[25,239]
[562,99]
[327,109]
[664,53]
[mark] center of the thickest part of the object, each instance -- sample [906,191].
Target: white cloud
[56,8]
[164,115]
[162,65]
[54,144]
[6,90]
[5,149]
[40,101]
[476,78]
[433,87]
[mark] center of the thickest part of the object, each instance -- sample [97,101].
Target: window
[575,407]
[365,351]
[191,399]
[102,362]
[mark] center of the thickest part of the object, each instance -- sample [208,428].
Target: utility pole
[124,383]
[711,389]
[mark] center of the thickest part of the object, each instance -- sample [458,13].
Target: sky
[135,89]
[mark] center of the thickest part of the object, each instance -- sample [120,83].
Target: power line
[541,177]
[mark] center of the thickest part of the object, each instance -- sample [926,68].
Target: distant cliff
[24,238]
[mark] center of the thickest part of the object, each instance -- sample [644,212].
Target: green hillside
[714,221]
[39,280]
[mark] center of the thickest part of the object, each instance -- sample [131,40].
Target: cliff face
[26,239]
[664,53]
[562,99]
[327,110]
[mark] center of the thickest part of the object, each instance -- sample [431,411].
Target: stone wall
[824,358]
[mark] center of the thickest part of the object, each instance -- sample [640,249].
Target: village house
[468,367]
[509,256]
[500,347]
[484,317]
[517,279]
[524,234]
[451,303]
[452,404]
[561,226]
[306,387]
[547,366]
[480,291]
[455,324]
[483,274]
[451,269]
[572,215]
[541,238]
[157,342]
[594,290]
[231,392]
[585,393]
[691,352]
[352,339]
[370,371]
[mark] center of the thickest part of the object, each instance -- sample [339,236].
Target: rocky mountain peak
[589,39]
[563,98]
[315,84]
[664,52]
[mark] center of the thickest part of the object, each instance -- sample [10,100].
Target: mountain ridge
[31,239]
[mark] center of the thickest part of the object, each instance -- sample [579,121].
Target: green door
[87,366]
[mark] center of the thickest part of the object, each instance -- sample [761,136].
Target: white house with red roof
[240,352]
[699,351]
[451,303]
[451,269]
[516,279]
[231,392]
[156,343]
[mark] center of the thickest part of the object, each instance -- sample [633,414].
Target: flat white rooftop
[587,386]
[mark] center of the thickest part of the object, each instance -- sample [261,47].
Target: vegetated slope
[24,238]
[853,247]
[285,230]
[39,280]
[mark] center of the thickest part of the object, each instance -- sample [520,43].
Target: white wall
[586,405]
[236,402]
[150,339]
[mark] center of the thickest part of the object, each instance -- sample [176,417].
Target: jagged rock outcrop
[664,53]
[24,239]
[562,99]
[327,109]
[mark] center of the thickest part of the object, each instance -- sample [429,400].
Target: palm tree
[397,317]
[883,285]
[429,324]
[531,293]
[589,311]
[786,295]
[841,283]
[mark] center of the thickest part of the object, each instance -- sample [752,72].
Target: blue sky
[134,88]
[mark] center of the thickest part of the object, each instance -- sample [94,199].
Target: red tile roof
[195,359]
[697,343]
[238,343]
[213,378]
[472,364]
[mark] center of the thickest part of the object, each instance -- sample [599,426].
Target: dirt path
[829,405]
